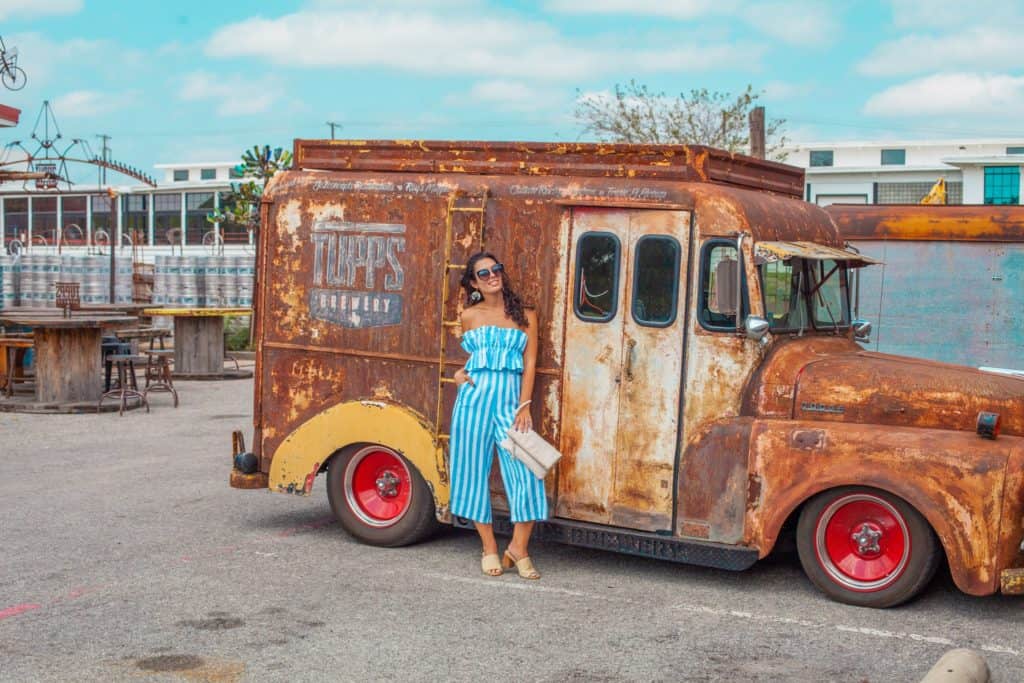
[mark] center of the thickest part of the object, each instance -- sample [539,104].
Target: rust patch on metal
[666,162]
[257,480]
[922,222]
[1011,582]
[935,471]
[713,483]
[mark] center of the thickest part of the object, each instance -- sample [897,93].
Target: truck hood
[833,379]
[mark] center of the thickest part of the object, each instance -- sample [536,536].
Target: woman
[495,387]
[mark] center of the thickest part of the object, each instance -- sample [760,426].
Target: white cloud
[26,9]
[780,91]
[955,14]
[41,57]
[670,9]
[977,47]
[495,47]
[233,95]
[960,94]
[796,22]
[85,103]
[511,95]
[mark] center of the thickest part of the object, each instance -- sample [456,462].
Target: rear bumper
[258,480]
[241,460]
[1011,581]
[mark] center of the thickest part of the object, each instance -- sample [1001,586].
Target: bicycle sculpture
[12,75]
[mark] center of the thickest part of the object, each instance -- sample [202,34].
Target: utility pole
[333,125]
[106,150]
[757,133]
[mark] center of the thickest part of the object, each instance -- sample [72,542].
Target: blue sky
[201,81]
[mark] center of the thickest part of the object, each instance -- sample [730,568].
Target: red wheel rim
[862,542]
[378,486]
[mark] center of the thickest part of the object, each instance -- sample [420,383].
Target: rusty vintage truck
[698,364]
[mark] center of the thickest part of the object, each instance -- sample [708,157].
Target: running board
[640,543]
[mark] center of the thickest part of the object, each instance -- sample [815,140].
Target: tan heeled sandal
[490,565]
[524,565]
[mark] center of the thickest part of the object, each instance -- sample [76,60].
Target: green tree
[242,204]
[635,114]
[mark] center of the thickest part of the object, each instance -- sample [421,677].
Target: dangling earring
[476,296]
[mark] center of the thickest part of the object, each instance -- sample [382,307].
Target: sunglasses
[484,273]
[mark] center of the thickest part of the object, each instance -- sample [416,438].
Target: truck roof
[688,163]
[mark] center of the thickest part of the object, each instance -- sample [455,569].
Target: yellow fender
[301,456]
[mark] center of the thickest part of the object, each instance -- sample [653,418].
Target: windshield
[803,294]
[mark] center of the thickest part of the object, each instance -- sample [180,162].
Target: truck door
[623,367]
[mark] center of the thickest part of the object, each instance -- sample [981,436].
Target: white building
[976,171]
[169,218]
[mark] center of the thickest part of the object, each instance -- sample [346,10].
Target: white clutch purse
[532,450]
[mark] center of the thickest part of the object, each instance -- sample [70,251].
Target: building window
[167,218]
[1002,185]
[208,174]
[821,157]
[235,172]
[913,193]
[44,220]
[1015,150]
[180,175]
[104,218]
[73,220]
[894,157]
[230,231]
[15,219]
[136,218]
[197,206]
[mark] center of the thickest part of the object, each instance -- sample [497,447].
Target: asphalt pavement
[125,556]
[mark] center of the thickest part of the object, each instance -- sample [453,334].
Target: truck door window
[829,299]
[595,298]
[717,310]
[799,293]
[655,280]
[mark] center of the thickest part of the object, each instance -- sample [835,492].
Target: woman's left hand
[524,421]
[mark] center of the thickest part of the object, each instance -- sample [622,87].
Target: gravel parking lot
[126,556]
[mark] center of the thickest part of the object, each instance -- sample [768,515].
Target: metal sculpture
[48,163]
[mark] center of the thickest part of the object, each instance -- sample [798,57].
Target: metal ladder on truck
[462,207]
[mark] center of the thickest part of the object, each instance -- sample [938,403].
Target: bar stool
[112,345]
[15,349]
[127,384]
[158,373]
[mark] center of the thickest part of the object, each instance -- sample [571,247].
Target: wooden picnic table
[199,341]
[67,352]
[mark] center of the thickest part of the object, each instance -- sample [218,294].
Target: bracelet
[523,405]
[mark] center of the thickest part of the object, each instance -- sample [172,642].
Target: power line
[333,124]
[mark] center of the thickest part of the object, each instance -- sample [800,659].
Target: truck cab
[698,364]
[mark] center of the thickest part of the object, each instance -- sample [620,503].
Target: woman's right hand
[461,377]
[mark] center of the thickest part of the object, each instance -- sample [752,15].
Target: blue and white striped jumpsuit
[483,413]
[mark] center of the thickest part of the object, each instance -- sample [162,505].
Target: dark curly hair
[513,304]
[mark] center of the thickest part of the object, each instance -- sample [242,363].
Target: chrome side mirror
[861,329]
[756,327]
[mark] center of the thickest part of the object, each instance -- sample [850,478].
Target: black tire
[890,556]
[416,520]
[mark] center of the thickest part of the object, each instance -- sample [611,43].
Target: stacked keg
[10,269]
